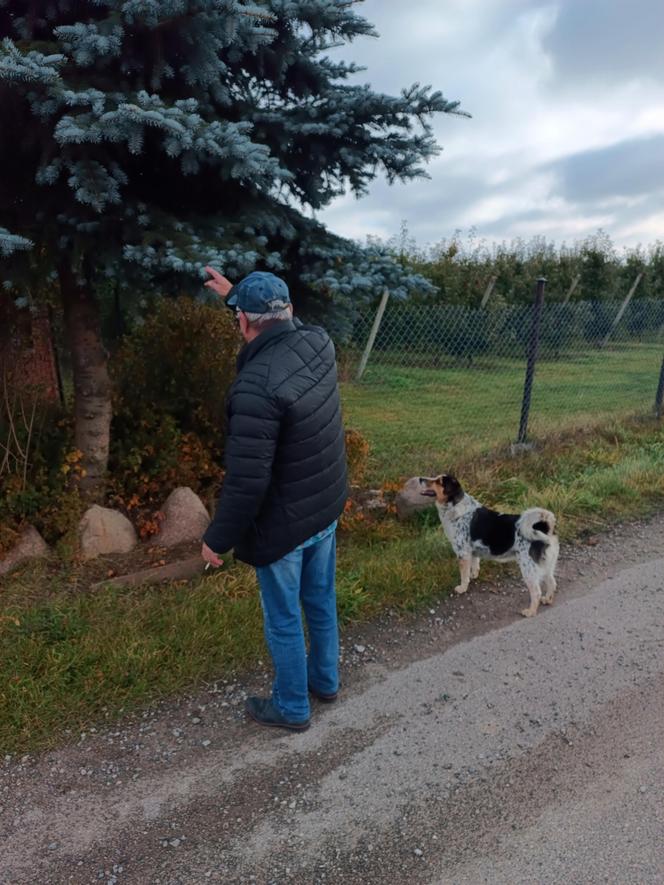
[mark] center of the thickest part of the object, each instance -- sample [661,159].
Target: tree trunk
[92,387]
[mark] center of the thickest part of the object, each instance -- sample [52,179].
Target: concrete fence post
[572,288]
[622,310]
[372,335]
[487,292]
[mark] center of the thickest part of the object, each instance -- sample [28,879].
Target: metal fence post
[372,335]
[660,392]
[533,347]
[622,310]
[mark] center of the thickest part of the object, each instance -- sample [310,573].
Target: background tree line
[461,268]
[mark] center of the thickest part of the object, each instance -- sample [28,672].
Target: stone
[185,519]
[372,500]
[182,570]
[30,545]
[410,499]
[102,530]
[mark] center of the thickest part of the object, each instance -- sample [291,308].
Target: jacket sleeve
[251,441]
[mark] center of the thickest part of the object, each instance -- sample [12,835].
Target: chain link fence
[507,372]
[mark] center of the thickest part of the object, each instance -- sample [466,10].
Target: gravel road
[469,746]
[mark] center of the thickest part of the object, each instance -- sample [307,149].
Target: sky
[567,128]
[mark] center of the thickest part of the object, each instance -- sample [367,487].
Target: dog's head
[445,489]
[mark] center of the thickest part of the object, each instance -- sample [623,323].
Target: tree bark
[92,386]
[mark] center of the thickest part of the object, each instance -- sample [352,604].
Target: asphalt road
[470,746]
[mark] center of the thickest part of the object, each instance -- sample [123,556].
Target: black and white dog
[475,533]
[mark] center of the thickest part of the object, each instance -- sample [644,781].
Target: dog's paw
[459,589]
[529,612]
[475,573]
[547,600]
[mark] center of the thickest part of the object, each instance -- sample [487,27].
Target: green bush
[171,376]
[179,362]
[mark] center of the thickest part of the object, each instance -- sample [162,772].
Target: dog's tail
[537,524]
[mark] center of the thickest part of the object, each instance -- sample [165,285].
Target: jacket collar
[280,328]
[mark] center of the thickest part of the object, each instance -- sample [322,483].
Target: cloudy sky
[567,134]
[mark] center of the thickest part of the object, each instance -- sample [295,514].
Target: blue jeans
[304,576]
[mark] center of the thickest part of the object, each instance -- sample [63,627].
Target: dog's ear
[452,488]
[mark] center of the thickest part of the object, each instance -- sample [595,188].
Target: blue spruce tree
[142,140]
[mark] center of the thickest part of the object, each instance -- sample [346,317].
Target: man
[284,489]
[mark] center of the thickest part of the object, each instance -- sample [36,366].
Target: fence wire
[596,360]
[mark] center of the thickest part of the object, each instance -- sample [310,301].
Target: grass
[66,656]
[425,420]
[69,658]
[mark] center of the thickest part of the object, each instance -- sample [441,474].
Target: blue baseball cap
[260,292]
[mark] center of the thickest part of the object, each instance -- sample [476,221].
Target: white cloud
[533,104]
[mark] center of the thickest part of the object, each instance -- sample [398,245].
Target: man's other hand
[219,284]
[210,556]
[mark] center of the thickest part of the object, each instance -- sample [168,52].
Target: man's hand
[219,284]
[211,557]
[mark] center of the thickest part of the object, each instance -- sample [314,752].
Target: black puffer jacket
[285,457]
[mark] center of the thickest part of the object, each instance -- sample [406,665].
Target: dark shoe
[263,711]
[323,698]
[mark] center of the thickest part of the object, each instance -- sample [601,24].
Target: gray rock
[371,500]
[30,545]
[185,518]
[410,499]
[105,531]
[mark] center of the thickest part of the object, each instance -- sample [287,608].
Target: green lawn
[425,420]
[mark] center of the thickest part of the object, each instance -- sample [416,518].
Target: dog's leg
[464,568]
[535,595]
[550,585]
[475,568]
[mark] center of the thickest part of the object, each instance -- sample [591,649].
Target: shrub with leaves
[171,377]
